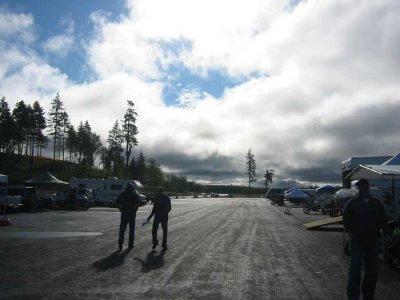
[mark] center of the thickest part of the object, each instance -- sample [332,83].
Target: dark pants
[164,226]
[359,252]
[125,220]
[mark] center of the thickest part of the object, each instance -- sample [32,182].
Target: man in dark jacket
[363,217]
[128,203]
[161,209]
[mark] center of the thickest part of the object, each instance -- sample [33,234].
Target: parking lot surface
[218,248]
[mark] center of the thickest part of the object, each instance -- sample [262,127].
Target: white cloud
[331,87]
[61,44]
[18,26]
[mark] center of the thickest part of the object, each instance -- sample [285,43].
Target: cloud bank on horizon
[304,84]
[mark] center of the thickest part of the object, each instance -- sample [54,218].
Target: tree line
[28,130]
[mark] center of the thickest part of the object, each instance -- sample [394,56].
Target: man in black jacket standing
[363,217]
[161,209]
[128,203]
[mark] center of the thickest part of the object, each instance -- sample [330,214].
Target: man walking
[161,209]
[128,203]
[363,218]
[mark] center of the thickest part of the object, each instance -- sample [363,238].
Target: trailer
[105,191]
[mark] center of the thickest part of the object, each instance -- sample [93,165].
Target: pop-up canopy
[326,188]
[46,178]
[296,193]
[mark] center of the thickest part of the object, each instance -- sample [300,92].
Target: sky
[304,84]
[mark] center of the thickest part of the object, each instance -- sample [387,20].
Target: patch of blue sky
[50,20]
[181,79]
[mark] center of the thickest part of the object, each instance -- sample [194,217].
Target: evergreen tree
[132,167]
[269,173]
[140,167]
[39,124]
[71,141]
[55,117]
[129,132]
[92,145]
[250,167]
[153,174]
[7,127]
[80,141]
[21,118]
[64,126]
[115,149]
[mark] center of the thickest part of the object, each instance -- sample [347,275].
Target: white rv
[107,190]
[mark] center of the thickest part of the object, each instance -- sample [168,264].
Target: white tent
[296,193]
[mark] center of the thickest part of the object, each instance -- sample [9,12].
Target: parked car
[28,196]
[276,195]
[81,197]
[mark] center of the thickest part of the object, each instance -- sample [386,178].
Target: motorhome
[105,191]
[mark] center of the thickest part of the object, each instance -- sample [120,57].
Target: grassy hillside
[20,168]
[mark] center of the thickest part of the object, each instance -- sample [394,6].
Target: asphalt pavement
[218,248]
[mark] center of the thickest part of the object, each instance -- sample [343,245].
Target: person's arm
[168,204]
[348,216]
[119,201]
[152,212]
[139,200]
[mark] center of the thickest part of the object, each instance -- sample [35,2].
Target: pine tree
[132,167]
[268,175]
[21,118]
[64,125]
[250,167]
[55,117]
[153,174]
[71,141]
[7,127]
[129,132]
[141,166]
[115,149]
[39,124]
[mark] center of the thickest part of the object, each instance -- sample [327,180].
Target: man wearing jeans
[363,218]
[161,209]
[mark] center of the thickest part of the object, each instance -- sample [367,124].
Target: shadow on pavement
[114,260]
[152,261]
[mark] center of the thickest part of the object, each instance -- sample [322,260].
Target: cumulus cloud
[60,44]
[326,85]
[16,26]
